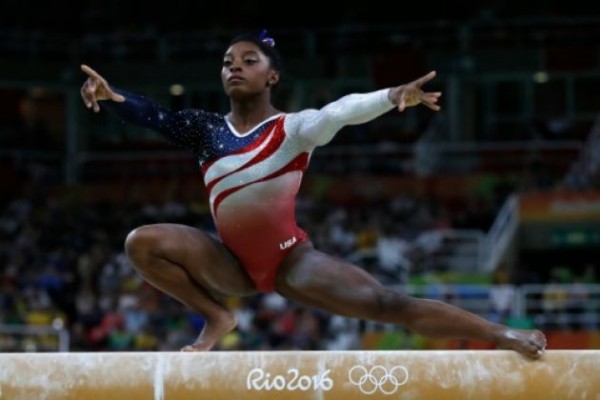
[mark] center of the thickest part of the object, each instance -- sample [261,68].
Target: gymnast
[252,161]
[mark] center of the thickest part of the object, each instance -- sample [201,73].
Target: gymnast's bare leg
[194,268]
[319,280]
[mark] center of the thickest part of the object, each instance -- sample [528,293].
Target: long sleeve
[181,128]
[318,127]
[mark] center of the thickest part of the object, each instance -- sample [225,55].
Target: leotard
[253,177]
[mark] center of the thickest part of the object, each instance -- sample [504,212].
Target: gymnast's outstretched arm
[182,128]
[318,127]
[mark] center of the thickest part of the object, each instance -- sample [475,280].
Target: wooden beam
[348,375]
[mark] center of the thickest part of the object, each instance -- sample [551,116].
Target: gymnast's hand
[96,88]
[410,94]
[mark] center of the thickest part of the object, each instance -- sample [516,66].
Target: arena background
[491,204]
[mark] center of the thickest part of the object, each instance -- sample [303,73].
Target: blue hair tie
[269,41]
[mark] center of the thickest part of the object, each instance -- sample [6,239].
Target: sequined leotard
[253,177]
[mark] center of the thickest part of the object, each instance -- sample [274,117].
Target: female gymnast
[252,160]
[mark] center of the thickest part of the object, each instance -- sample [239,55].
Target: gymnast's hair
[266,45]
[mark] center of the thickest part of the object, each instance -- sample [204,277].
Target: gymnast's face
[246,71]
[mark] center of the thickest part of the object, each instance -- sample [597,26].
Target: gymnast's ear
[273,78]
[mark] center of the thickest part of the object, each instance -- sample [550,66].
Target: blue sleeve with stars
[181,128]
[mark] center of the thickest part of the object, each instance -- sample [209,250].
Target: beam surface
[348,375]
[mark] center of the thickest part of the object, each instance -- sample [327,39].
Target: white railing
[459,250]
[547,306]
[20,338]
[562,305]
[501,234]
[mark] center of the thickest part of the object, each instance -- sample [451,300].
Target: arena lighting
[540,77]
[176,89]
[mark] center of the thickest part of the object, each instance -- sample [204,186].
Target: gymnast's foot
[213,330]
[531,343]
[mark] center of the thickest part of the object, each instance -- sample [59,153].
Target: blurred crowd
[62,263]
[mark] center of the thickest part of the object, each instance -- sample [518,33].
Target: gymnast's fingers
[425,78]
[90,72]
[88,93]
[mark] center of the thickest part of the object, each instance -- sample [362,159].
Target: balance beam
[348,375]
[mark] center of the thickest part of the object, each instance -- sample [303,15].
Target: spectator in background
[393,254]
[554,302]
[502,297]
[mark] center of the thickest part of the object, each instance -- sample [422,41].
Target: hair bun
[267,40]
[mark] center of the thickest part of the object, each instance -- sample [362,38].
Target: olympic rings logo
[378,378]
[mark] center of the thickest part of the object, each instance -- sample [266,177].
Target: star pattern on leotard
[206,134]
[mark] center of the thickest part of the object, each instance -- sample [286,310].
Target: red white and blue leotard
[253,177]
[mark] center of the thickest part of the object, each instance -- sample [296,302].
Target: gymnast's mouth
[235,78]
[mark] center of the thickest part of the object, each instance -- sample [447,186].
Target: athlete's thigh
[321,280]
[206,259]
